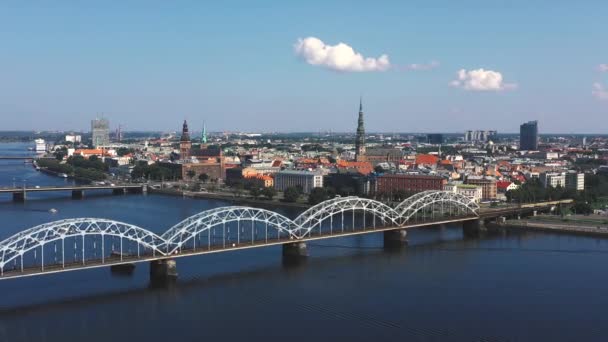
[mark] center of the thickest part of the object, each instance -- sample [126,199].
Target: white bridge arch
[18,245]
[316,215]
[204,222]
[432,198]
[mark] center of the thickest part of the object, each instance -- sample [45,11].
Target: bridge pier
[77,194]
[119,191]
[163,269]
[19,196]
[295,250]
[473,228]
[395,238]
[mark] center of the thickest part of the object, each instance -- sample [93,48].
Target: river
[441,287]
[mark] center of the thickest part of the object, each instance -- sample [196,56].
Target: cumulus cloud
[339,57]
[481,80]
[602,67]
[421,67]
[599,91]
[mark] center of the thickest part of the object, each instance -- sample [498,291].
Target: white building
[73,138]
[472,191]
[575,180]
[306,179]
[40,145]
[553,179]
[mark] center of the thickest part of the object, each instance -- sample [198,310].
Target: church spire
[360,139]
[204,134]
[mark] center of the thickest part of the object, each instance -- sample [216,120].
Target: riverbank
[550,225]
[230,198]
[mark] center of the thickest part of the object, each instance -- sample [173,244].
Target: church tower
[185,144]
[360,139]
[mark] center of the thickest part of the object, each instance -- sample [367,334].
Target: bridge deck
[70,188]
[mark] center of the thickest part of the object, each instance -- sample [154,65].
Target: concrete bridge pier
[295,250]
[473,228]
[163,269]
[19,196]
[77,194]
[119,191]
[395,238]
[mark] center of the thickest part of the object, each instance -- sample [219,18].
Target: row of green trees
[91,169]
[596,189]
[156,172]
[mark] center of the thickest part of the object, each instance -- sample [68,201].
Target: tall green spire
[204,134]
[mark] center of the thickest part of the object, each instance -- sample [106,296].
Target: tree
[317,195]
[203,177]
[255,192]
[191,173]
[269,193]
[291,194]
[237,189]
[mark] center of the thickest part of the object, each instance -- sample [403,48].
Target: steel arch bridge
[92,242]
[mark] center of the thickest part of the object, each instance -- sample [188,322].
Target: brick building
[391,183]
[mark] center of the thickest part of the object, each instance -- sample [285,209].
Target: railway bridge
[83,243]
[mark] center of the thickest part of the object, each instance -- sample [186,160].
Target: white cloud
[481,80]
[602,67]
[340,57]
[422,67]
[599,91]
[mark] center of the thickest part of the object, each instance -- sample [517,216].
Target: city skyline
[492,68]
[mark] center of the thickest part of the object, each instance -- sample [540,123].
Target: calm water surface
[442,287]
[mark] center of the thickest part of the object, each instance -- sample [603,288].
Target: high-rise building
[528,136]
[184,143]
[100,132]
[435,138]
[360,139]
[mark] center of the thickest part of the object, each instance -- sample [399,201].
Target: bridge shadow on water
[171,289]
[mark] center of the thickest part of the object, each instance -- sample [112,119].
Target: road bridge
[20,193]
[17,157]
[83,243]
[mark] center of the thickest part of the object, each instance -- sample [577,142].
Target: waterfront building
[185,145]
[575,180]
[391,183]
[488,186]
[528,136]
[40,145]
[100,132]
[305,179]
[360,139]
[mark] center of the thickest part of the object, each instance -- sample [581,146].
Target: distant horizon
[287,132]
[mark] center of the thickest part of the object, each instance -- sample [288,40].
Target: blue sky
[148,65]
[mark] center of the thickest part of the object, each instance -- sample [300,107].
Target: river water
[441,287]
